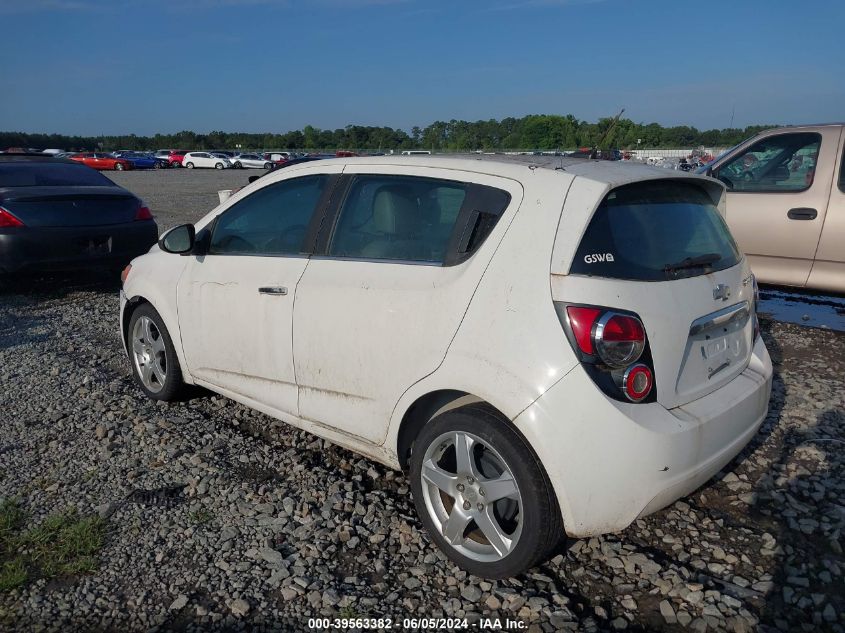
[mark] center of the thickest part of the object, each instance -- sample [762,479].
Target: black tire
[218,165]
[173,382]
[268,165]
[237,164]
[189,165]
[118,166]
[542,527]
[157,165]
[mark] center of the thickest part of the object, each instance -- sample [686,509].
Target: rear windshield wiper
[693,262]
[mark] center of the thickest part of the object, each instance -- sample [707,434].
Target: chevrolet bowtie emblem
[722,292]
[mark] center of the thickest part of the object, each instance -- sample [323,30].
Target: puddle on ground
[813,310]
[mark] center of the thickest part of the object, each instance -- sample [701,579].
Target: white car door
[236,303]
[383,297]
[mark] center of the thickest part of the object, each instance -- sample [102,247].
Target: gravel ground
[219,518]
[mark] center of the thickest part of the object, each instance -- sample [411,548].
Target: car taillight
[125,273]
[8,221]
[637,382]
[617,339]
[143,213]
[610,343]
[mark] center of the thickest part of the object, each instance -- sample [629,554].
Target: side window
[783,163]
[272,221]
[398,218]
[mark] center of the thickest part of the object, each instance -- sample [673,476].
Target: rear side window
[655,231]
[415,219]
[43,174]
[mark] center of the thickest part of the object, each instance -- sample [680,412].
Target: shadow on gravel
[806,518]
[58,285]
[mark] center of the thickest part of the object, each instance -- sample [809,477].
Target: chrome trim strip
[719,318]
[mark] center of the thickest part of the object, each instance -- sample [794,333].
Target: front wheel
[218,165]
[482,494]
[237,164]
[118,166]
[155,365]
[189,165]
[268,165]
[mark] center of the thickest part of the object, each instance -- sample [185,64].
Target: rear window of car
[656,230]
[38,174]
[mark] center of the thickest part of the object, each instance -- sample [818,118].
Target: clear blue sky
[146,66]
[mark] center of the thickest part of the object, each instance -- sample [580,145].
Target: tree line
[535,131]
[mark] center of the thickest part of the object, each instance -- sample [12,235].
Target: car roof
[516,166]
[34,158]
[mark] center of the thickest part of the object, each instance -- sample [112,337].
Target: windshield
[38,174]
[656,230]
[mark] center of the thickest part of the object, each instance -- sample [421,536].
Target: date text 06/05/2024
[413,624]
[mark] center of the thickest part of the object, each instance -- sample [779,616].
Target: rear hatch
[660,248]
[70,206]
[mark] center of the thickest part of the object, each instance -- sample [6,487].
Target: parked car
[544,351]
[101,161]
[57,214]
[205,159]
[279,156]
[786,204]
[142,160]
[251,161]
[172,156]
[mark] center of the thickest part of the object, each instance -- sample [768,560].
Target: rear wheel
[238,164]
[189,165]
[118,166]
[482,494]
[155,365]
[268,165]
[157,165]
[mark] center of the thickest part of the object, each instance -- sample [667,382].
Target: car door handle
[273,290]
[802,213]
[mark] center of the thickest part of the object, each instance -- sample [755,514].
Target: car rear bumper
[611,462]
[69,248]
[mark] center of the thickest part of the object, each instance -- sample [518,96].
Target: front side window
[783,163]
[398,218]
[656,230]
[272,221]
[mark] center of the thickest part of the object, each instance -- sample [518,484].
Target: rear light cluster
[143,213]
[610,343]
[8,221]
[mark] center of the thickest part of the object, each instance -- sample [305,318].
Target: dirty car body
[531,294]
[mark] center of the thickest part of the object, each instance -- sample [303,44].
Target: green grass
[64,544]
[201,516]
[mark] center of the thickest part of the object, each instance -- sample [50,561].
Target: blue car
[140,160]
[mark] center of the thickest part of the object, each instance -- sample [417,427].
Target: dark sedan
[56,214]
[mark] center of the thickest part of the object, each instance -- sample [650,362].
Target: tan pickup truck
[786,204]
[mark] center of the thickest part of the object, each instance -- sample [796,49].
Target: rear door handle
[802,213]
[273,290]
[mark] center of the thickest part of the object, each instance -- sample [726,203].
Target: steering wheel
[235,244]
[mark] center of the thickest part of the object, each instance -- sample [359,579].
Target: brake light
[8,221]
[581,320]
[617,339]
[125,273]
[143,213]
[637,382]
[610,344]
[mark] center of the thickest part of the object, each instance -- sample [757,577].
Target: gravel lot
[218,518]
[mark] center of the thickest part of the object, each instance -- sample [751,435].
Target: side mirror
[178,240]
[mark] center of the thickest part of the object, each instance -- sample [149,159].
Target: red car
[101,161]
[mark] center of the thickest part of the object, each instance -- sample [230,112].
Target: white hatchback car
[206,159]
[547,345]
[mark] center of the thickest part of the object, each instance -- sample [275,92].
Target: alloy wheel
[148,354]
[472,496]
